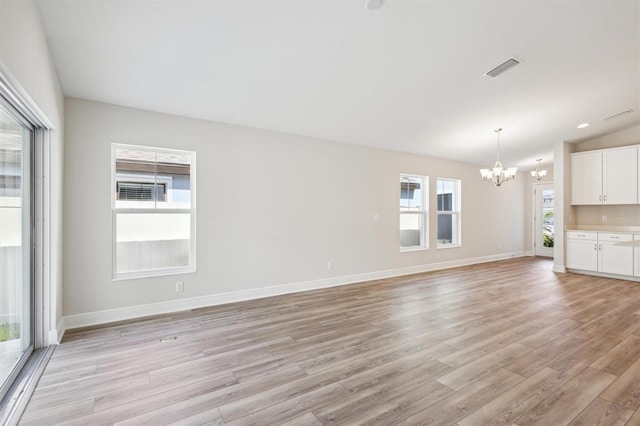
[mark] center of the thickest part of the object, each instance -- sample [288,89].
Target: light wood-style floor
[503,343]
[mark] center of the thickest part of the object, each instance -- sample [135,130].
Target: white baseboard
[559,268]
[139,311]
[55,336]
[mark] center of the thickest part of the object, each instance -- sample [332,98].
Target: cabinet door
[582,254]
[614,259]
[636,257]
[620,176]
[586,178]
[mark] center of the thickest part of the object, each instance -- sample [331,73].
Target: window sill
[409,249]
[448,246]
[152,273]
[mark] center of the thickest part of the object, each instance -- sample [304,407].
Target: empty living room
[320,212]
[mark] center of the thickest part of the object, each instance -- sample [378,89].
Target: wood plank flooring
[502,343]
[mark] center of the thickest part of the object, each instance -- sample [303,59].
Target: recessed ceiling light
[373,4]
[583,125]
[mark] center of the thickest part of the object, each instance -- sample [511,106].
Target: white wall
[272,208]
[628,136]
[564,212]
[26,62]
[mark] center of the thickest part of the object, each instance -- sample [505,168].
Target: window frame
[456,214]
[424,213]
[156,272]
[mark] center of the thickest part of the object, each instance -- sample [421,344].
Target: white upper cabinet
[620,176]
[608,176]
[586,177]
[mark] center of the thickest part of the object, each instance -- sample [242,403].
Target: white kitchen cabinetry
[612,258]
[582,250]
[600,252]
[608,176]
[620,176]
[636,258]
[586,177]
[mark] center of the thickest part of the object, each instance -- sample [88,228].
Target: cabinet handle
[580,235]
[617,238]
[604,197]
[600,247]
[599,197]
[595,247]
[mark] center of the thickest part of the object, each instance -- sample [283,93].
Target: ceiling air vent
[510,63]
[611,117]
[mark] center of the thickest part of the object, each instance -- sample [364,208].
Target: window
[140,191]
[153,205]
[448,193]
[413,212]
[17,232]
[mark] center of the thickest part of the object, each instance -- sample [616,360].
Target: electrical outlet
[179,287]
[330,265]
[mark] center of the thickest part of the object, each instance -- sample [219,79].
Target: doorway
[16,244]
[544,235]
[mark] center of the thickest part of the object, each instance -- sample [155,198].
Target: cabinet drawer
[582,235]
[605,236]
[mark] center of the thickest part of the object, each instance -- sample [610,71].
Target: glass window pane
[147,241]
[447,229]
[411,193]
[448,218]
[412,230]
[15,221]
[152,178]
[446,195]
[547,218]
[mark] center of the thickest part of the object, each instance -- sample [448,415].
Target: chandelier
[538,173]
[498,174]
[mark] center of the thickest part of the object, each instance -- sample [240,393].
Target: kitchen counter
[604,228]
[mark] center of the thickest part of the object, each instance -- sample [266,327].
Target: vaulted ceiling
[408,76]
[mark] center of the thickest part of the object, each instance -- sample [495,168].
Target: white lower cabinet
[601,252]
[582,250]
[612,258]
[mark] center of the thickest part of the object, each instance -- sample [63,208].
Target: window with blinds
[153,207]
[140,191]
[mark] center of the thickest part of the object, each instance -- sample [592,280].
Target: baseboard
[139,311]
[604,275]
[559,268]
[55,336]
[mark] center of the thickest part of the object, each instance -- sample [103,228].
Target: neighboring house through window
[153,206]
[413,212]
[448,193]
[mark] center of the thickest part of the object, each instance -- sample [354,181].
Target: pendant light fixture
[498,174]
[538,173]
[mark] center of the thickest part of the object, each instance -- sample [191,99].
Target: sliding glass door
[16,224]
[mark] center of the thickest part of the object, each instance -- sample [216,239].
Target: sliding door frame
[15,391]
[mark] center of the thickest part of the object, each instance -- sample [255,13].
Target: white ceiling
[406,77]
